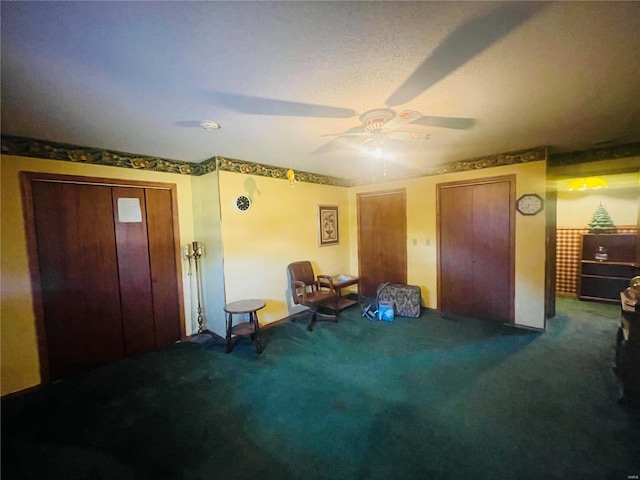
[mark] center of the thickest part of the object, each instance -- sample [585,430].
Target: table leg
[229,321]
[256,330]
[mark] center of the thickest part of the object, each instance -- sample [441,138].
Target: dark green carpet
[427,398]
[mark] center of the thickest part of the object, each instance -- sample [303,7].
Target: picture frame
[328,225]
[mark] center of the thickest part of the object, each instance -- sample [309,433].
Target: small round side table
[249,328]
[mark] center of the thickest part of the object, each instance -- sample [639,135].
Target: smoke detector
[210,125]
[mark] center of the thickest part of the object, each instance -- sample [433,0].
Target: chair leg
[316,316]
[328,316]
[312,319]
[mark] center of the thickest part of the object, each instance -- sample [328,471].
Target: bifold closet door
[456,252]
[162,261]
[107,272]
[476,250]
[146,262]
[492,253]
[79,282]
[130,220]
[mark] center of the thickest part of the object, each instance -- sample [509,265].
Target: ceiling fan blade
[340,141]
[267,106]
[344,134]
[462,45]
[416,137]
[446,122]
[400,119]
[188,123]
[352,132]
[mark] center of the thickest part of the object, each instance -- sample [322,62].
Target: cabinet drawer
[608,269]
[609,288]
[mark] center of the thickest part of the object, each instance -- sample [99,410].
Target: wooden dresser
[603,279]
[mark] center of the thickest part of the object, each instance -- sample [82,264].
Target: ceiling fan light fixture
[587,183]
[375,119]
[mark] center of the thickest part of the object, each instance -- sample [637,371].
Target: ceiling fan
[380,124]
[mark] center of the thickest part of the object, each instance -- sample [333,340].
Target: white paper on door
[129,210]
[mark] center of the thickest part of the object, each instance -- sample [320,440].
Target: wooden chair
[313,292]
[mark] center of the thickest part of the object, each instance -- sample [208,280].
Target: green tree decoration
[601,221]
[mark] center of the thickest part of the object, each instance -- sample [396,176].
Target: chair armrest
[325,281]
[297,298]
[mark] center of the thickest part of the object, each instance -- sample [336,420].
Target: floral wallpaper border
[27,147]
[497,160]
[240,166]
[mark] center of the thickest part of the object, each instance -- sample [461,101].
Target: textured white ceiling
[139,77]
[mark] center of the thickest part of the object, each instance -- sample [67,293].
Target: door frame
[512,232]
[26,180]
[551,262]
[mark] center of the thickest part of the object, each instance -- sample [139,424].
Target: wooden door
[105,270]
[456,256]
[134,269]
[476,248]
[163,241]
[382,239]
[78,276]
[492,252]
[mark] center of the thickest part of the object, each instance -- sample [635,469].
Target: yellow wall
[280,227]
[206,208]
[421,227]
[620,198]
[246,254]
[20,367]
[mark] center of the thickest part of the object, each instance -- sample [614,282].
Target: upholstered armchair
[313,291]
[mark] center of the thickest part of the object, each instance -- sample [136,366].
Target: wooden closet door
[130,220]
[476,249]
[148,275]
[382,240]
[105,269]
[456,254]
[162,260]
[492,254]
[79,284]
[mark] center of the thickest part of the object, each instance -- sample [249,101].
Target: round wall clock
[529,204]
[242,203]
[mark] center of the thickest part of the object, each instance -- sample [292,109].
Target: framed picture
[328,233]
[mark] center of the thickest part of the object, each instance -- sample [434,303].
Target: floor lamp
[194,251]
